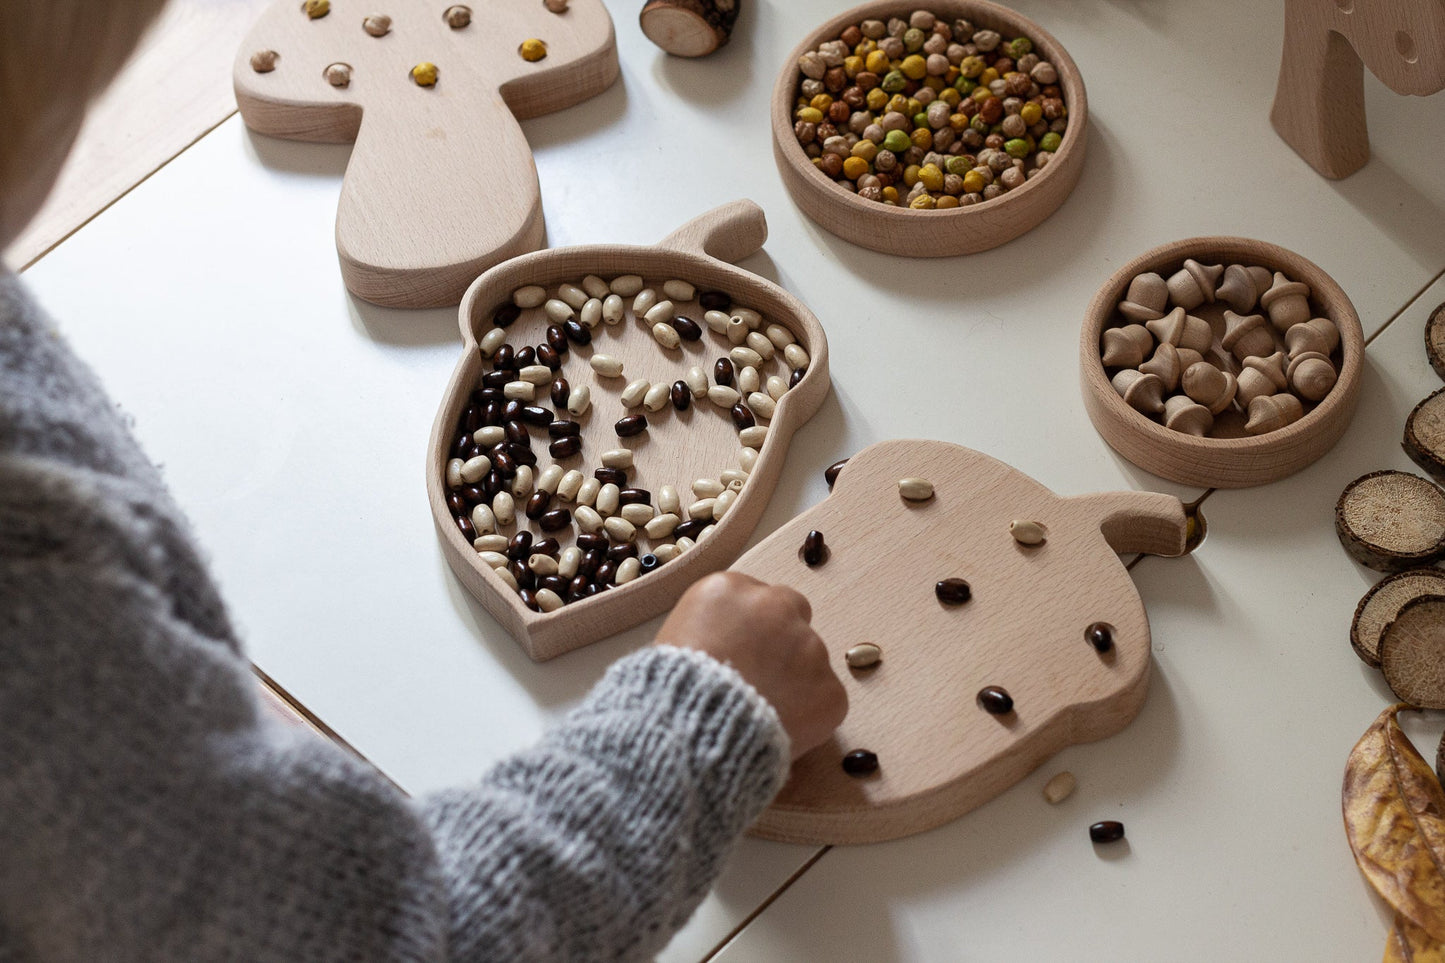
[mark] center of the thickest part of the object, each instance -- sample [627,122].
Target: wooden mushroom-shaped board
[1025,628]
[689,28]
[441,184]
[677,448]
[1319,105]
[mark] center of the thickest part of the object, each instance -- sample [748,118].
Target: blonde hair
[55,55]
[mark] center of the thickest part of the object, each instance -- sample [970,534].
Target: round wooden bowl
[1222,462]
[961,230]
[677,448]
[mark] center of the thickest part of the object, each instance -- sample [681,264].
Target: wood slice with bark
[1435,340]
[1412,652]
[689,28]
[1383,602]
[1425,434]
[1391,520]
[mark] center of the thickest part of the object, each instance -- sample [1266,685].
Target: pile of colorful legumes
[928,113]
[599,532]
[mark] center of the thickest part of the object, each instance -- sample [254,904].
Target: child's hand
[762,631]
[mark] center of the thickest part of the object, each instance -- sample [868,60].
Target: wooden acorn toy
[1311,375]
[1315,335]
[1147,299]
[1169,363]
[1286,302]
[1261,377]
[1194,284]
[1182,413]
[1183,330]
[1209,386]
[1140,390]
[1242,286]
[1272,412]
[1126,346]
[1246,336]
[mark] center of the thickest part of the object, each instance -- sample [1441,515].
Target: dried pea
[914,67]
[1018,147]
[425,74]
[897,141]
[1050,142]
[532,50]
[854,168]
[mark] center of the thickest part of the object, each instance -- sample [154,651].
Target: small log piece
[1391,520]
[1412,652]
[1425,434]
[1383,602]
[1435,340]
[689,28]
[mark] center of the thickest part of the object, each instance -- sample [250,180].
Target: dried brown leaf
[1394,813]
[1408,943]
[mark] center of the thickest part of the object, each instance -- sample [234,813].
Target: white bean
[717,321]
[705,532]
[702,508]
[682,545]
[762,404]
[482,519]
[475,469]
[707,488]
[747,458]
[587,519]
[750,317]
[608,499]
[607,366]
[587,494]
[662,311]
[777,387]
[579,400]
[494,559]
[542,565]
[537,374]
[723,503]
[573,295]
[635,391]
[723,396]
[491,543]
[530,296]
[558,311]
[569,484]
[522,482]
[569,561]
[737,330]
[627,571]
[679,290]
[656,398]
[504,508]
[595,286]
[780,336]
[668,502]
[617,458]
[489,435]
[519,391]
[613,310]
[696,379]
[733,478]
[547,600]
[915,489]
[644,301]
[507,577]
[666,335]
[745,358]
[753,437]
[454,473]
[748,380]
[661,526]
[491,341]
[592,313]
[549,479]
[796,356]
[759,343]
[637,513]
[620,529]
[627,285]
[665,552]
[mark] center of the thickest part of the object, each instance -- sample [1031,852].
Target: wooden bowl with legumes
[929,131]
[1221,361]
[682,380]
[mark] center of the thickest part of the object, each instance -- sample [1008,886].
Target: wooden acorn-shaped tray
[441,183]
[932,233]
[1057,624]
[677,448]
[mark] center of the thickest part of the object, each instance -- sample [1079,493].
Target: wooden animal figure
[441,183]
[980,622]
[1319,105]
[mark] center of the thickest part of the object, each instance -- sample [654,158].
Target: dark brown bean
[483,395]
[547,546]
[742,416]
[576,332]
[615,476]
[493,483]
[814,550]
[631,425]
[690,528]
[505,359]
[517,432]
[538,504]
[536,416]
[620,551]
[796,376]
[529,599]
[952,591]
[512,411]
[722,372]
[634,496]
[522,454]
[590,540]
[471,418]
[996,700]
[496,379]
[1107,831]
[525,356]
[562,428]
[577,588]
[557,338]
[505,315]
[462,446]
[606,572]
[681,395]
[520,572]
[715,301]
[520,546]
[456,503]
[591,560]
[547,355]
[649,562]
[504,464]
[474,494]
[860,762]
[555,520]
[567,447]
[830,474]
[556,583]
[465,524]
[561,392]
[1100,635]
[687,329]
[492,412]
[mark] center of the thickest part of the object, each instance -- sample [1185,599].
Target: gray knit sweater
[149,810]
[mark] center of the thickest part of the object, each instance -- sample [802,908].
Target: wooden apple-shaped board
[1050,623]
[441,184]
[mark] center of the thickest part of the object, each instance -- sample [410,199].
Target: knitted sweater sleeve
[149,810]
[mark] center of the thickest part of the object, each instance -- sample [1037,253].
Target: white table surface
[292,421]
